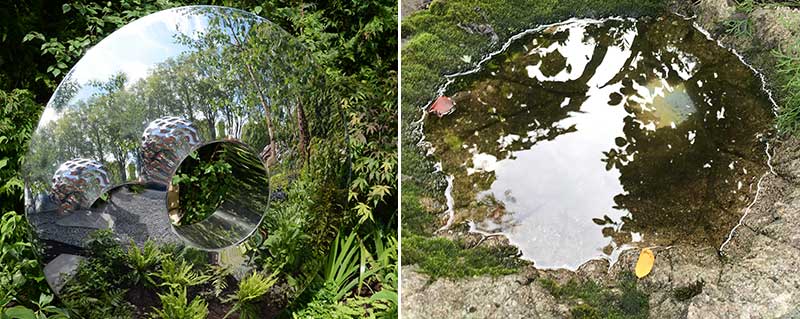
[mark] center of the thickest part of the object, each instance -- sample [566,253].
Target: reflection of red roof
[442,106]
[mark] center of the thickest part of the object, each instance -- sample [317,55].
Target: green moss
[442,257]
[585,311]
[688,292]
[788,68]
[452,140]
[416,220]
[589,299]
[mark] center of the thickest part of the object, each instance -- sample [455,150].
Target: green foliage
[251,289]
[788,68]
[18,111]
[356,46]
[21,277]
[384,263]
[95,291]
[343,272]
[591,300]
[219,276]
[442,257]
[179,275]
[356,307]
[203,185]
[353,42]
[101,284]
[43,310]
[354,268]
[174,305]
[89,22]
[101,304]
[143,262]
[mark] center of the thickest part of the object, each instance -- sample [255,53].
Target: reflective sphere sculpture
[165,143]
[78,183]
[204,126]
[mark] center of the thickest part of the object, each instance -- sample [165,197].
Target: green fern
[143,262]
[219,276]
[250,290]
[180,275]
[175,306]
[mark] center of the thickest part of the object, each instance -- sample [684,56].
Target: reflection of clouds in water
[607,106]
[574,50]
[662,105]
[553,196]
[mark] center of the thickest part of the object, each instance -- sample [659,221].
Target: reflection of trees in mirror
[206,84]
[201,182]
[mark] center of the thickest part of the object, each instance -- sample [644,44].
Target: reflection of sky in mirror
[134,50]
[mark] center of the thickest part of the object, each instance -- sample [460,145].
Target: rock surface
[60,269]
[484,297]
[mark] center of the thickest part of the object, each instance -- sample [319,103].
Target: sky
[133,49]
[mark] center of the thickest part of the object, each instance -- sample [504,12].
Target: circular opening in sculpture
[218,194]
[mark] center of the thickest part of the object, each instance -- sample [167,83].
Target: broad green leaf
[20,312]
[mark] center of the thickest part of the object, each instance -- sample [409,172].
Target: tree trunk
[302,128]
[269,150]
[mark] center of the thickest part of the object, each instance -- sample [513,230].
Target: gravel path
[134,216]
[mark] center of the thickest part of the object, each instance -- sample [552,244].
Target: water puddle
[587,137]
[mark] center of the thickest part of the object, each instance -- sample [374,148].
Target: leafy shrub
[143,262]
[44,310]
[98,288]
[203,184]
[20,274]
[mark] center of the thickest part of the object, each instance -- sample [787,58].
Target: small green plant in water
[203,184]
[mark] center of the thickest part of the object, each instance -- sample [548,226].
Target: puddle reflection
[588,137]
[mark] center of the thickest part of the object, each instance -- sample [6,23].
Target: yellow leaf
[645,263]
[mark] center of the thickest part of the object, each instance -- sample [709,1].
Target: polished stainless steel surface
[142,100]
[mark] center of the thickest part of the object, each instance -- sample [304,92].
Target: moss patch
[442,257]
[588,299]
[788,68]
